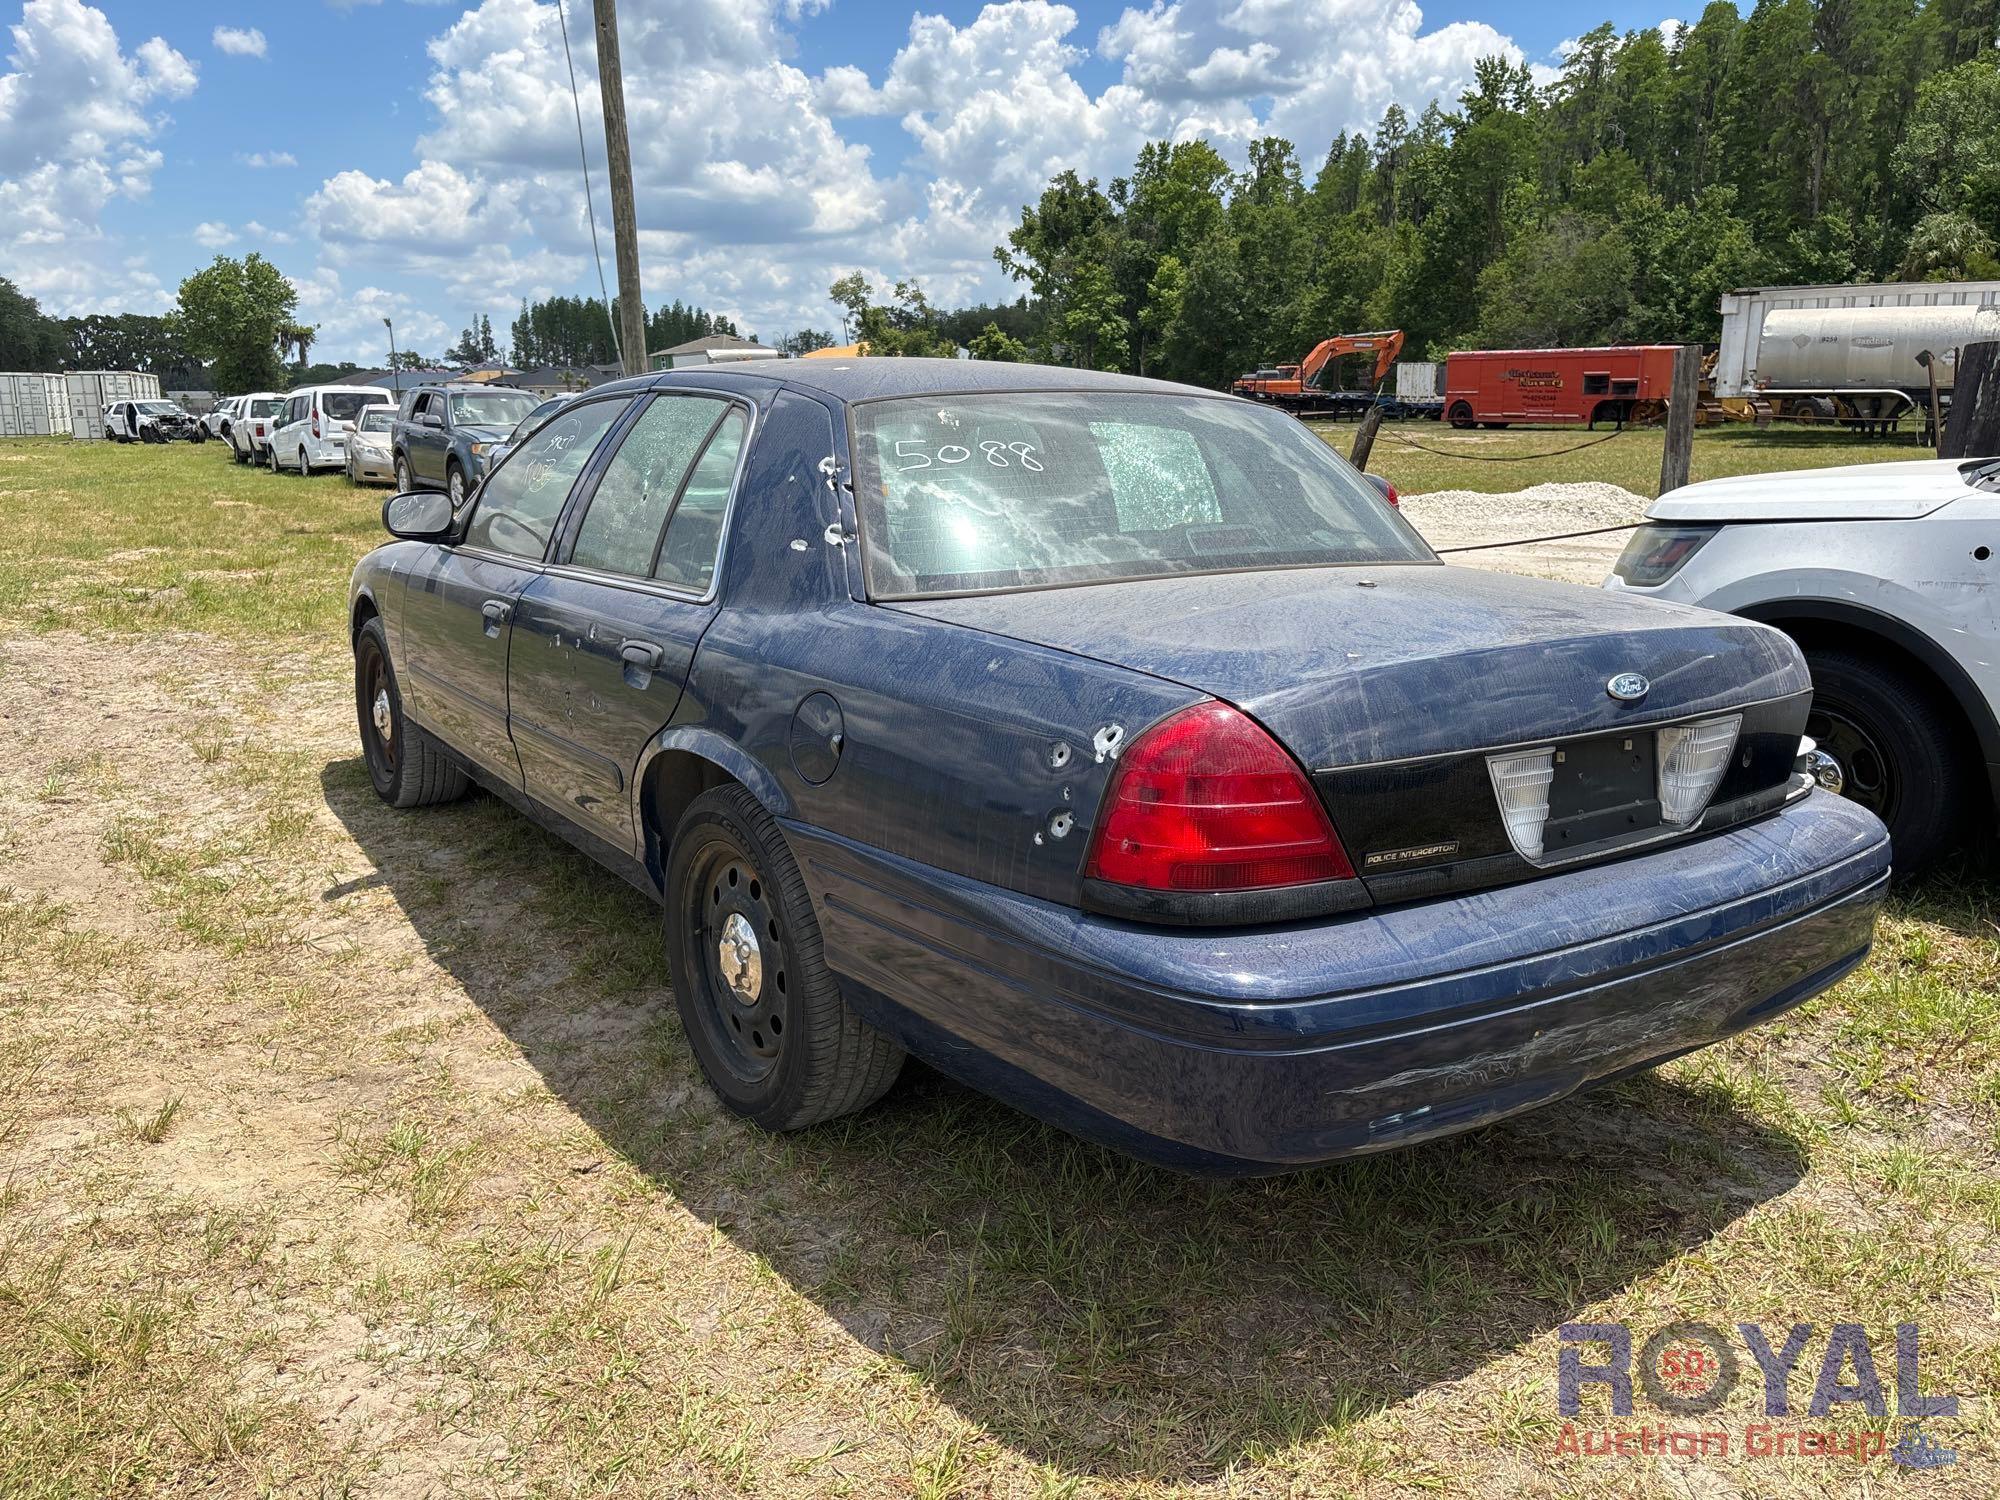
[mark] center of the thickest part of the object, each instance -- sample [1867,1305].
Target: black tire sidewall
[388,785]
[774,1099]
[1920,751]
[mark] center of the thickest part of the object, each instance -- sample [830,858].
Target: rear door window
[621,531]
[694,534]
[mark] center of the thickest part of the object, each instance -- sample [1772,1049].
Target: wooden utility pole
[624,215]
[1973,428]
[1677,461]
[1929,361]
[1364,439]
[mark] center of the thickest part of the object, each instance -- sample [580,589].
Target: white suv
[311,432]
[1885,574]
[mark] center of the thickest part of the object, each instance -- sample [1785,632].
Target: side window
[694,535]
[518,505]
[621,531]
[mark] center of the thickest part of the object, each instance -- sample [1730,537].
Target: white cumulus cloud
[239,41]
[78,116]
[213,236]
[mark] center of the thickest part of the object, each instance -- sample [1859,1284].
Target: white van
[311,432]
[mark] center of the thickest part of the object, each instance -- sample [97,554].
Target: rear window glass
[1032,490]
[490,408]
[344,406]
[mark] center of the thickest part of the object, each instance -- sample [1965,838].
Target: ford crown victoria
[1112,746]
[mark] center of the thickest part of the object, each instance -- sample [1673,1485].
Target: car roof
[874,379]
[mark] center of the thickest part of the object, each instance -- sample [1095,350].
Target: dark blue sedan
[1112,746]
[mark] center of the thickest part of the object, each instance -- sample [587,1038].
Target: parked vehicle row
[1111,746]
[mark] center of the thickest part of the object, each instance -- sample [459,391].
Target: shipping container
[1562,387]
[90,391]
[1419,380]
[33,404]
[1738,357]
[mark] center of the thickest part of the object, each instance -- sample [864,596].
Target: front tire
[454,485]
[773,1037]
[1461,416]
[272,454]
[1901,754]
[405,765]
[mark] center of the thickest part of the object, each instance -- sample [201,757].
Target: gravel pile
[1459,518]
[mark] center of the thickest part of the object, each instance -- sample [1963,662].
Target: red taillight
[1389,494]
[315,424]
[1207,801]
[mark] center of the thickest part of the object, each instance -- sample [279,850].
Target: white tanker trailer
[1846,354]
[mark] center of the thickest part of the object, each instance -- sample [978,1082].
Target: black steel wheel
[1460,416]
[1897,750]
[405,764]
[763,1013]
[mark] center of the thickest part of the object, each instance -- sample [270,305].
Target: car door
[458,610]
[285,432]
[431,439]
[606,634]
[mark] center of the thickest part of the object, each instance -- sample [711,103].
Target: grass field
[1418,457]
[350,1152]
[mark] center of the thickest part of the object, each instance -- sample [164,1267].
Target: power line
[562,19]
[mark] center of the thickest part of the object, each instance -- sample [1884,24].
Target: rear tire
[763,1013]
[305,467]
[405,482]
[405,764]
[1902,754]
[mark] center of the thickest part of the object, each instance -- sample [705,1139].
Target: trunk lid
[1851,492]
[1357,665]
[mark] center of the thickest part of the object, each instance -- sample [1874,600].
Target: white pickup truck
[1886,576]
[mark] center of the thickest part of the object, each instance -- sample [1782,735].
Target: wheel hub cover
[381,714]
[739,959]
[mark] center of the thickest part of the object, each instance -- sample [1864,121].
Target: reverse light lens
[1656,553]
[1692,760]
[1521,785]
[1207,801]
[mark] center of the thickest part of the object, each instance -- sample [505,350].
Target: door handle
[494,610]
[642,654]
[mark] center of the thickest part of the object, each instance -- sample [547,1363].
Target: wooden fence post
[1973,428]
[1364,437]
[1677,461]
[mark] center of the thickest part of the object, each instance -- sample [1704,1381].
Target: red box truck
[1561,387]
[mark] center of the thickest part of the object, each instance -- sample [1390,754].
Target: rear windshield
[344,406]
[270,406]
[490,408]
[1001,492]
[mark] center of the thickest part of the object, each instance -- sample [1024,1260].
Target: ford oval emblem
[1628,687]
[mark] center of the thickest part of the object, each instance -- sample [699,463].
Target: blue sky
[417,158]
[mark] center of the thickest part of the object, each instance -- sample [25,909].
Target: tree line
[1809,141]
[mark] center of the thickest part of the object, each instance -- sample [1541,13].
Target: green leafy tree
[233,314]
[1564,285]
[29,339]
[991,343]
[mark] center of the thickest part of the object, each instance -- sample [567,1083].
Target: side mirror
[418,516]
[430,419]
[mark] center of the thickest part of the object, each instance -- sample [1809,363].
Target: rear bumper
[1249,1051]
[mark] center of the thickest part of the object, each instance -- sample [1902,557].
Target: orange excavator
[1296,386]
